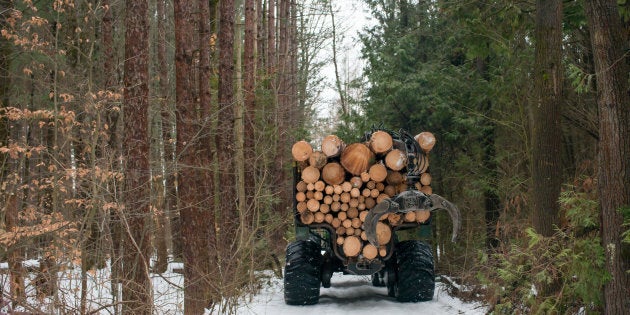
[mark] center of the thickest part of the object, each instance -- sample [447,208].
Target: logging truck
[364,208]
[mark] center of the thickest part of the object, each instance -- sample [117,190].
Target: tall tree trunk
[249,151]
[546,133]
[136,291]
[196,182]
[10,172]
[166,185]
[225,142]
[239,124]
[112,112]
[271,42]
[609,44]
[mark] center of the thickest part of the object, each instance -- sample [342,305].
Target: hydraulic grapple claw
[410,200]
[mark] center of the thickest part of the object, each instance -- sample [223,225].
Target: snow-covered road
[355,295]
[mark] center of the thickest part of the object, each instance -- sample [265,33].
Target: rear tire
[302,275]
[415,275]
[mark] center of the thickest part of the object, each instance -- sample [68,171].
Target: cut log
[394,219]
[337,189]
[356,182]
[350,231]
[389,190]
[345,197]
[426,140]
[423,163]
[319,217]
[370,203]
[324,208]
[300,196]
[352,246]
[356,223]
[365,177]
[310,186]
[319,185]
[422,216]
[427,190]
[336,197]
[340,230]
[335,206]
[328,200]
[312,205]
[363,236]
[342,216]
[355,192]
[352,213]
[396,160]
[383,233]
[410,216]
[374,193]
[301,151]
[333,173]
[418,185]
[380,142]
[310,194]
[353,203]
[371,184]
[361,205]
[378,172]
[340,240]
[382,251]
[318,195]
[307,217]
[329,190]
[347,223]
[332,146]
[329,218]
[402,187]
[310,175]
[357,158]
[335,223]
[394,178]
[425,179]
[370,251]
[346,186]
[344,207]
[366,192]
[380,186]
[317,159]
[301,206]
[362,215]
[301,186]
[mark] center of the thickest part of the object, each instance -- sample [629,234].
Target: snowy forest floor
[348,295]
[351,294]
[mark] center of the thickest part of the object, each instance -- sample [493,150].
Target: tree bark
[225,142]
[609,44]
[137,290]
[194,167]
[165,186]
[546,132]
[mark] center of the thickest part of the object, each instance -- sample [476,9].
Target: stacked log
[340,184]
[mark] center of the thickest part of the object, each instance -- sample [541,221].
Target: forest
[135,134]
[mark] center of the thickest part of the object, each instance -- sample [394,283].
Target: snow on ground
[350,294]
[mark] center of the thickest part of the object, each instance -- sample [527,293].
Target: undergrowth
[561,274]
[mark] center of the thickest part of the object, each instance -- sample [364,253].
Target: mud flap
[407,201]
